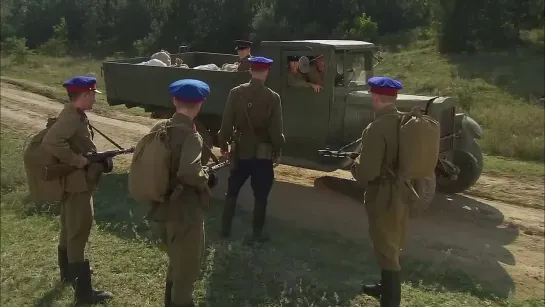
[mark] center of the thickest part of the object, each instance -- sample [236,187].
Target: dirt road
[500,243]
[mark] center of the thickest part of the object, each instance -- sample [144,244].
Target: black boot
[391,289]
[84,292]
[176,305]
[227,216]
[258,223]
[373,290]
[63,265]
[168,291]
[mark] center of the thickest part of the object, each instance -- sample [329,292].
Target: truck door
[305,112]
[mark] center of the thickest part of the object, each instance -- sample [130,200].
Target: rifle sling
[106,137]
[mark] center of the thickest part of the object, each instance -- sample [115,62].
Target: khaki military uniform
[386,200]
[181,219]
[67,140]
[297,79]
[244,64]
[264,110]
[315,76]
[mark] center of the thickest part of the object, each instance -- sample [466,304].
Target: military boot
[373,290]
[62,256]
[227,216]
[84,292]
[168,292]
[258,223]
[187,305]
[391,289]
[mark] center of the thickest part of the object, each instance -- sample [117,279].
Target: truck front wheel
[470,171]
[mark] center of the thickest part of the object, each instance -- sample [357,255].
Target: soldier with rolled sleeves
[316,73]
[252,119]
[386,201]
[243,49]
[181,219]
[68,139]
[296,78]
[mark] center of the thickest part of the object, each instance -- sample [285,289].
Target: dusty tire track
[494,242]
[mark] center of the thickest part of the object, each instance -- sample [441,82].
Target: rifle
[105,158]
[211,171]
[338,153]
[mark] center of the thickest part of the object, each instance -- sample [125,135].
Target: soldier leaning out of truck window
[297,78]
[316,72]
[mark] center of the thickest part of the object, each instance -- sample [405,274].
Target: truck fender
[467,126]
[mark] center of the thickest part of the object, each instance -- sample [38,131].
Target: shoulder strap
[205,147]
[248,105]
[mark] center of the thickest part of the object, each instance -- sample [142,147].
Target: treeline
[104,27]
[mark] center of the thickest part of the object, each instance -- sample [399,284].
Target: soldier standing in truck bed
[386,201]
[243,49]
[68,139]
[253,120]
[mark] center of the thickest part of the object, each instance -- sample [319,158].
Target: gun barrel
[337,154]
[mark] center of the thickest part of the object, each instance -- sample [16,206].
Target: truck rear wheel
[470,171]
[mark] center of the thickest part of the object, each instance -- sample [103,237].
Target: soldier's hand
[316,88]
[225,154]
[276,161]
[82,162]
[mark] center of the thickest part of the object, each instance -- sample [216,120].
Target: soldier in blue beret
[67,140]
[252,125]
[180,219]
[379,151]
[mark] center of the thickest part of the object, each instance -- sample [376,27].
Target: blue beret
[81,84]
[260,60]
[384,82]
[189,90]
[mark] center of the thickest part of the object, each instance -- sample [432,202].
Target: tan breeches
[77,216]
[185,246]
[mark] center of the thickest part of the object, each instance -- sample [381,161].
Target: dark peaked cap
[241,44]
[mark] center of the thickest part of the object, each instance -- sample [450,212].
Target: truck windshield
[350,68]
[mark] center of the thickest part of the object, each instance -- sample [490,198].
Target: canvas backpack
[149,173]
[150,167]
[419,138]
[35,159]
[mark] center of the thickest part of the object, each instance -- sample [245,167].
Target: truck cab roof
[336,44]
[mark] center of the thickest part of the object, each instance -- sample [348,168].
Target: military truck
[330,119]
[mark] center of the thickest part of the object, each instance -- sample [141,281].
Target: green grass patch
[505,166]
[298,268]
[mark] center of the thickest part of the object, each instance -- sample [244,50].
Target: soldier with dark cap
[296,78]
[68,139]
[386,201]
[317,70]
[252,124]
[243,49]
[181,219]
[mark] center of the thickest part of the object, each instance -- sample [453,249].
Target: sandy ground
[496,242]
